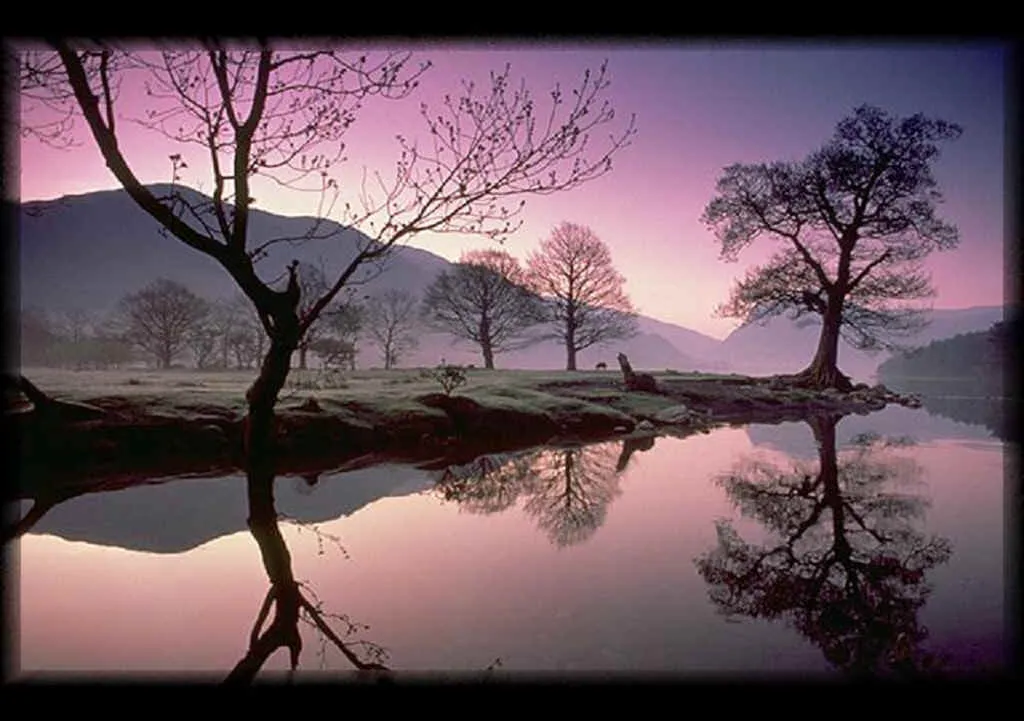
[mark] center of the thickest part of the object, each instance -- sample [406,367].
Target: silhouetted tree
[390,320]
[161,318]
[283,114]
[345,322]
[844,565]
[585,295]
[855,220]
[484,299]
[335,352]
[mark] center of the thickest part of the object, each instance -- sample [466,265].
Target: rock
[675,414]
[311,405]
[645,425]
[621,429]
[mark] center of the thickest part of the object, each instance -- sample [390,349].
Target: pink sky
[699,108]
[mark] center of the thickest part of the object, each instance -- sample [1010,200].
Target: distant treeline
[971,363]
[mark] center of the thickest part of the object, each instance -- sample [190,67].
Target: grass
[378,396]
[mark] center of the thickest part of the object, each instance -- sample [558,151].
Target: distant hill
[88,251]
[780,346]
[970,357]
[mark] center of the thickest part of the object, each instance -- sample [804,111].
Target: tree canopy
[585,294]
[854,221]
[484,299]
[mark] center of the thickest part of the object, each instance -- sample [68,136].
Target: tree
[484,299]
[346,323]
[162,318]
[390,321]
[282,115]
[227,316]
[202,341]
[312,286]
[586,300]
[844,562]
[855,220]
[334,352]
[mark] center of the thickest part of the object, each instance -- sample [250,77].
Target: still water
[806,549]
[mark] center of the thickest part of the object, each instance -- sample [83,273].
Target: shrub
[449,376]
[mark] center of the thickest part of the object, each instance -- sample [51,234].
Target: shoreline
[75,442]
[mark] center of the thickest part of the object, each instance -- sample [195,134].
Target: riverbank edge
[114,443]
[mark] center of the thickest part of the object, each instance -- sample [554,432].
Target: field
[167,390]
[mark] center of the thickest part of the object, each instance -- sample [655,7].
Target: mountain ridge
[88,250]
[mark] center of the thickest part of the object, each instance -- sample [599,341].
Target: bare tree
[202,341]
[484,299]
[855,220]
[586,300]
[391,320]
[161,318]
[345,322]
[283,116]
[312,286]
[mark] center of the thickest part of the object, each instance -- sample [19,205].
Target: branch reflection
[285,595]
[566,490]
[844,563]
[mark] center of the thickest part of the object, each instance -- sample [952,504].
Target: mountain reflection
[844,564]
[964,401]
[566,490]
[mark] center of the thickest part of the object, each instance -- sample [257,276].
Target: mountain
[88,251]
[781,346]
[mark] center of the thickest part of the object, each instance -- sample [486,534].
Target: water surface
[617,557]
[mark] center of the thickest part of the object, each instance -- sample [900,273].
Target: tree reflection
[566,490]
[285,596]
[844,564]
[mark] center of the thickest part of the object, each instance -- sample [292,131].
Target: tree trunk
[570,342]
[262,396]
[302,356]
[823,372]
[488,355]
[260,457]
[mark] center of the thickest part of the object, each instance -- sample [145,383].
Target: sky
[699,107]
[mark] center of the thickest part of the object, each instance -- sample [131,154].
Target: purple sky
[699,108]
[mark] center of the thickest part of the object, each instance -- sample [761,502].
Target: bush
[449,376]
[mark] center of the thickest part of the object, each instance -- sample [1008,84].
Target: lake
[867,544]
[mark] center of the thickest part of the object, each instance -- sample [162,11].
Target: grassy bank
[139,422]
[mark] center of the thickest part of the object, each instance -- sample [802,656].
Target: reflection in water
[844,565]
[285,594]
[566,490]
[964,401]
